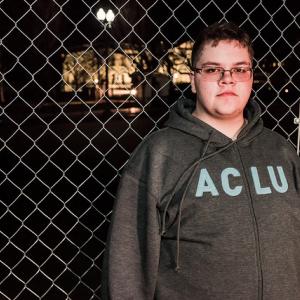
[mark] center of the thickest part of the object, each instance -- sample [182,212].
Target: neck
[229,127]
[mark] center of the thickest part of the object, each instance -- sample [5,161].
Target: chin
[230,107]
[229,114]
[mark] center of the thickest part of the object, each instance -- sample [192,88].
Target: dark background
[60,162]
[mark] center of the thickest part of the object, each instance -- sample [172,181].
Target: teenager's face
[224,98]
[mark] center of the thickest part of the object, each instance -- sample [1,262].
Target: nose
[226,77]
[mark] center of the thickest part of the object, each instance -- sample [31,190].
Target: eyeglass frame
[199,71]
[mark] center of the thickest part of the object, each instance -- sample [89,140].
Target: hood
[181,118]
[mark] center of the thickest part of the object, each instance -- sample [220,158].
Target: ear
[192,78]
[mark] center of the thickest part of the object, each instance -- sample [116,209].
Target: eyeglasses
[216,73]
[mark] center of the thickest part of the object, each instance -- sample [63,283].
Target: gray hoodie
[199,216]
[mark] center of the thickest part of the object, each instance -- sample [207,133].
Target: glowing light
[134,110]
[133,92]
[110,16]
[105,17]
[101,14]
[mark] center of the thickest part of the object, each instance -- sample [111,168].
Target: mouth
[226,94]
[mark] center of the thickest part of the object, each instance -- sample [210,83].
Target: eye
[212,70]
[239,70]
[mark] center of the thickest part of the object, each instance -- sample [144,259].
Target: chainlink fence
[78,94]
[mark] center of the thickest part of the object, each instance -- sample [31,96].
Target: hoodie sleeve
[132,253]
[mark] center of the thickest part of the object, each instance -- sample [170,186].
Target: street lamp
[106,18]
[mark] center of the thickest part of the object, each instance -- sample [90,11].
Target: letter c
[225,181]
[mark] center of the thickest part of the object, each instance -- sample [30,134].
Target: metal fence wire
[79,92]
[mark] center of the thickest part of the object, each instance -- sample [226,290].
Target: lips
[227,93]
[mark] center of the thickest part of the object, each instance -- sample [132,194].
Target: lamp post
[106,18]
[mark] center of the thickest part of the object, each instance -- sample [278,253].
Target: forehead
[224,53]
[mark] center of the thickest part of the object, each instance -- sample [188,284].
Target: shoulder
[278,143]
[152,160]
[156,144]
[274,136]
[163,141]
[164,149]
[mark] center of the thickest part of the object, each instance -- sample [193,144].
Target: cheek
[204,90]
[245,91]
[207,90]
[199,87]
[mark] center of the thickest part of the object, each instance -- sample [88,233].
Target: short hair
[221,32]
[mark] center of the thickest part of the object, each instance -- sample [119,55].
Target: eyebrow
[239,63]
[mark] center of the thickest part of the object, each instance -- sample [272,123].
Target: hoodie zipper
[255,228]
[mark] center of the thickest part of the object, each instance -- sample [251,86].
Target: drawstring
[179,217]
[163,224]
[194,167]
[183,197]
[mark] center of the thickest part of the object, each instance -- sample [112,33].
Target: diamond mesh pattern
[77,96]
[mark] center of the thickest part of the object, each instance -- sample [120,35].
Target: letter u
[280,188]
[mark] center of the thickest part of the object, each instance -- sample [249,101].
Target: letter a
[206,184]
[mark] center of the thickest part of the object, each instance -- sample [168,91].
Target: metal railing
[78,95]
